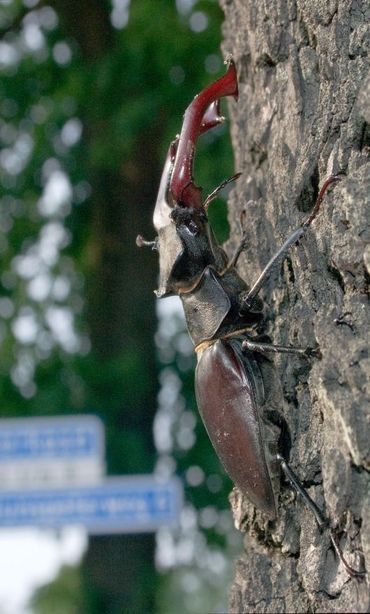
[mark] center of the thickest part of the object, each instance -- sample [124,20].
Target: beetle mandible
[225,316]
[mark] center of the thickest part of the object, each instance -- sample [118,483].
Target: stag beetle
[222,314]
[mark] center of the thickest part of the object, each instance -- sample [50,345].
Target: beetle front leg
[247,299]
[266,348]
[239,250]
[241,245]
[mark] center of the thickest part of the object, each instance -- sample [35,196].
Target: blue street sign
[27,439]
[129,504]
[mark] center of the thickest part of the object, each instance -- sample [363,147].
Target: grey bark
[304,113]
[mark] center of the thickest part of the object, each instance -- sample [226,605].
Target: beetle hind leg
[321,520]
[266,348]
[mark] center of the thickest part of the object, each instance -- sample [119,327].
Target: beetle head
[185,241]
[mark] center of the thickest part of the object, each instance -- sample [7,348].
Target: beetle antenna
[213,194]
[141,242]
[319,516]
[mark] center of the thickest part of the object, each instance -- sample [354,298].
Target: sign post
[52,474]
[51,451]
[132,504]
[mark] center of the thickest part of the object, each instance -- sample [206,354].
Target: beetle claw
[354,573]
[313,352]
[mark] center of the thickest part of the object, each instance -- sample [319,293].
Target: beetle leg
[321,520]
[295,482]
[238,251]
[276,259]
[291,240]
[243,241]
[331,179]
[355,573]
[263,348]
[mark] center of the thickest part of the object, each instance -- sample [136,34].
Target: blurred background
[91,94]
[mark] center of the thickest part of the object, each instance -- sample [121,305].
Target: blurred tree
[63,596]
[92,92]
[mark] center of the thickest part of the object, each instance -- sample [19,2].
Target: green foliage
[63,596]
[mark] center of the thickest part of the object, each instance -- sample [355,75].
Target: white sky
[30,558]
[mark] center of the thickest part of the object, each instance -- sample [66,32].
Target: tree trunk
[303,113]
[118,570]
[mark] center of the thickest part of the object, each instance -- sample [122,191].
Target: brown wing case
[226,397]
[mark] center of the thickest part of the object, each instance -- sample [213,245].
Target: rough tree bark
[303,113]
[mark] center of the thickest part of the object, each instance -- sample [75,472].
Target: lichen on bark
[303,113]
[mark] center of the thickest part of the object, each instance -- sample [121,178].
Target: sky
[30,558]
